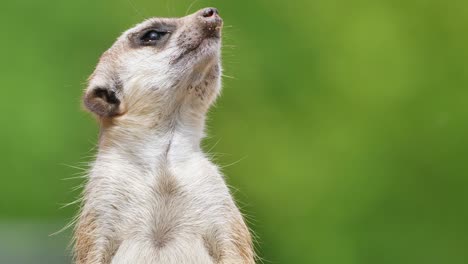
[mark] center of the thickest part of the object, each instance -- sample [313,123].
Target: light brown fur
[152,195]
[85,239]
[243,241]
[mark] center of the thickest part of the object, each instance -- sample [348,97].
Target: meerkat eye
[152,36]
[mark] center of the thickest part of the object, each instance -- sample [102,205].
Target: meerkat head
[159,66]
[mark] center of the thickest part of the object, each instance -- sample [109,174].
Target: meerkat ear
[103,101]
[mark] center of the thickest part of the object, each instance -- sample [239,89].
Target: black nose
[211,21]
[209,12]
[210,17]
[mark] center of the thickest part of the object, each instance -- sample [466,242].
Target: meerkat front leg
[92,246]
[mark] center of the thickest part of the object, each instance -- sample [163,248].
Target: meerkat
[152,195]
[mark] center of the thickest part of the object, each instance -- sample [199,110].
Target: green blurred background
[343,125]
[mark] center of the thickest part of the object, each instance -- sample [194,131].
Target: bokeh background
[343,125]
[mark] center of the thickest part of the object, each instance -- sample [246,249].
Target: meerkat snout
[212,22]
[159,65]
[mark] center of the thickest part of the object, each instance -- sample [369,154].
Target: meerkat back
[152,195]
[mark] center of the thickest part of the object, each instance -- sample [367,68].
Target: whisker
[227,76]
[190,6]
[233,163]
[214,145]
[71,203]
[135,9]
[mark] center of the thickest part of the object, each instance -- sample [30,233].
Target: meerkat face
[158,65]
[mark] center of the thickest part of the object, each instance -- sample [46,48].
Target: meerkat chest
[181,198]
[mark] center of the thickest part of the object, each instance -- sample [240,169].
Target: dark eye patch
[155,35]
[152,36]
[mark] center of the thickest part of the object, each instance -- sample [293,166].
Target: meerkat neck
[169,139]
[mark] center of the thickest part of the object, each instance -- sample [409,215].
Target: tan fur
[213,245]
[243,241]
[85,239]
[152,195]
